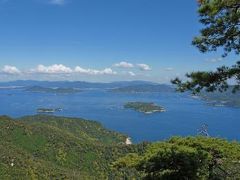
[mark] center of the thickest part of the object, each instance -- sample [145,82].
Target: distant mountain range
[74,84]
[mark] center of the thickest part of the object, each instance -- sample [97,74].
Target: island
[144,88]
[220,99]
[144,107]
[39,89]
[48,110]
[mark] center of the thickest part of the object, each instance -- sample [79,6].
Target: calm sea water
[183,117]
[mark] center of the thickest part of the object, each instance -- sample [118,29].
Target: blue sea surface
[184,115]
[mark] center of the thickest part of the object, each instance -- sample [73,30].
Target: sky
[101,40]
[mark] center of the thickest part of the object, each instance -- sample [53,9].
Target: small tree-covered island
[49,110]
[144,107]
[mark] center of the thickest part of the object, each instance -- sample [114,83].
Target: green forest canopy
[186,158]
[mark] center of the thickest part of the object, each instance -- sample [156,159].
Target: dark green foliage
[48,147]
[221,20]
[211,81]
[144,107]
[186,158]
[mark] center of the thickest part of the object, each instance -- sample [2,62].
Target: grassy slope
[56,147]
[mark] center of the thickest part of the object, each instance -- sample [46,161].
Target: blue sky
[101,40]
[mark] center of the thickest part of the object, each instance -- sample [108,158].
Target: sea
[184,114]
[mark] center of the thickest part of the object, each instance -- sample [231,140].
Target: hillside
[46,147]
[49,147]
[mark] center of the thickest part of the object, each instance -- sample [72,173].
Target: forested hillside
[46,147]
[49,147]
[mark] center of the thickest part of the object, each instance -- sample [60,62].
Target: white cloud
[124,64]
[106,71]
[169,69]
[131,73]
[62,69]
[144,67]
[10,70]
[78,69]
[57,2]
[54,69]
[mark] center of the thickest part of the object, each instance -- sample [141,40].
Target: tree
[186,158]
[221,20]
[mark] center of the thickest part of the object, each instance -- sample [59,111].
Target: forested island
[48,110]
[39,89]
[147,108]
[144,88]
